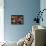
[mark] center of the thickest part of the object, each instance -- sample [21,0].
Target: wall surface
[1,20]
[19,7]
[43,6]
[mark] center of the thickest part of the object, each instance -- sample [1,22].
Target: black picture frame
[17,19]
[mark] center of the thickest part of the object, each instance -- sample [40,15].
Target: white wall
[1,20]
[43,6]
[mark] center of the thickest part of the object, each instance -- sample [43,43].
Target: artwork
[39,16]
[17,19]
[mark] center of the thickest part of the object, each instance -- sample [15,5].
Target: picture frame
[17,19]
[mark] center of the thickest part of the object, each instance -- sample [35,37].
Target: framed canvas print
[17,19]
